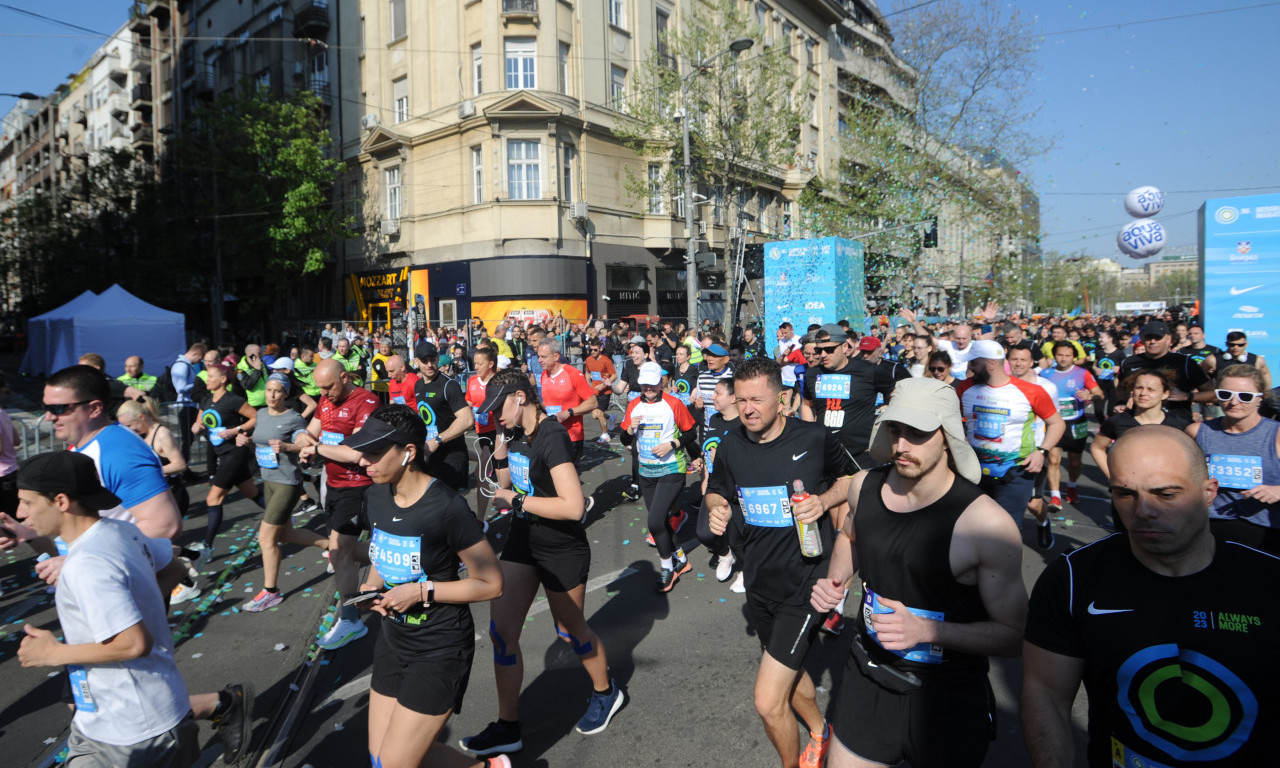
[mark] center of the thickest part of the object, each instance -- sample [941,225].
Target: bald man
[1173,631]
[400,381]
[343,410]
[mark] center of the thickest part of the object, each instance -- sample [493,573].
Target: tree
[744,110]
[949,149]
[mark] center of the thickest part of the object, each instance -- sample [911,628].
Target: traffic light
[931,233]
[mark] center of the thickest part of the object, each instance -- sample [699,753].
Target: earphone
[407,458]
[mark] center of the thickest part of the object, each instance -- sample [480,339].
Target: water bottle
[810,539]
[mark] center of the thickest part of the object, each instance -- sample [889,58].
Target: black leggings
[729,541]
[660,497]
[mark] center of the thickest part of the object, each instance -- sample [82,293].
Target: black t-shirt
[530,465]
[1200,355]
[418,543]
[1179,671]
[224,414]
[712,435]
[1120,423]
[1188,376]
[685,384]
[757,479]
[1105,366]
[1027,344]
[438,403]
[630,374]
[845,400]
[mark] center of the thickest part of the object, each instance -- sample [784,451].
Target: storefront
[671,293]
[381,299]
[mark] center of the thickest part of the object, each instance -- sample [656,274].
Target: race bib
[79,678]
[518,465]
[212,421]
[597,376]
[397,558]
[989,423]
[552,410]
[266,457]
[646,440]
[768,507]
[1238,472]
[332,438]
[707,413]
[632,396]
[833,386]
[833,418]
[1068,408]
[398,399]
[1080,429]
[924,652]
[482,417]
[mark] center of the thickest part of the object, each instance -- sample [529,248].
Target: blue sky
[1189,105]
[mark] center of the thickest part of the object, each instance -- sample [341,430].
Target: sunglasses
[826,350]
[58,409]
[1225,395]
[938,369]
[1237,343]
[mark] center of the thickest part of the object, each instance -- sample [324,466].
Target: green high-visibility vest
[144,382]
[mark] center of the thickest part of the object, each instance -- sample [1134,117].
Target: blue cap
[717,350]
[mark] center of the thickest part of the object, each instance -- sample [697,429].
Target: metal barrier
[36,436]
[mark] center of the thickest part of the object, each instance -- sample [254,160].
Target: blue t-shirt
[126,466]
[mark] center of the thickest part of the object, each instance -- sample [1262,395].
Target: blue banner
[1240,271]
[813,281]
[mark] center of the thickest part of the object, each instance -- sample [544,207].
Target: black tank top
[907,557]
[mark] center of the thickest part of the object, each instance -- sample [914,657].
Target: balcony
[142,56]
[320,87]
[519,10]
[141,96]
[202,84]
[159,9]
[143,133]
[138,20]
[116,70]
[312,20]
[117,105]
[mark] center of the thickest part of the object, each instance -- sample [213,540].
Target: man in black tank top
[922,537]
[1172,629]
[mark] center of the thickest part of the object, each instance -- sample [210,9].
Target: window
[655,188]
[263,80]
[813,109]
[717,206]
[521,66]
[618,88]
[392,177]
[566,173]
[400,97]
[662,21]
[616,13]
[788,32]
[399,27]
[762,17]
[564,68]
[477,61]
[679,195]
[810,50]
[524,177]
[477,175]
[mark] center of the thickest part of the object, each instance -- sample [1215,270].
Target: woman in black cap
[420,529]
[546,545]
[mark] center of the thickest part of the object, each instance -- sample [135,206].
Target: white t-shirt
[959,366]
[1051,390]
[107,585]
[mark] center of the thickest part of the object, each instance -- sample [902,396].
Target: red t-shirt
[338,422]
[475,396]
[402,393]
[600,371]
[567,389]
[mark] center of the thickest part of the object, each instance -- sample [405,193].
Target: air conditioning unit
[702,227]
[466,109]
[390,227]
[369,122]
[578,211]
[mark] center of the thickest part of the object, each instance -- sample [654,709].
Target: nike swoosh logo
[1096,611]
[397,519]
[1237,291]
[799,456]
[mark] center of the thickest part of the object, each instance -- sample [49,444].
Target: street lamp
[691,266]
[27,95]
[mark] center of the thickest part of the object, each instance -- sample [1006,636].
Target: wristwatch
[517,505]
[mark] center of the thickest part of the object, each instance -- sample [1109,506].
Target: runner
[718,367]
[628,384]
[142,417]
[486,365]
[343,410]
[1243,451]
[916,687]
[722,547]
[546,546]
[1172,629]
[842,395]
[1076,387]
[601,373]
[684,379]
[1190,382]
[1022,367]
[663,431]
[1148,390]
[565,393]
[223,416]
[1237,352]
[444,410]
[1106,363]
[400,381]
[421,529]
[758,468]
[276,454]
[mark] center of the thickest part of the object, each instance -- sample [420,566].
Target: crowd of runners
[895,466]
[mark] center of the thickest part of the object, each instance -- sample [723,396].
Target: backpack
[164,391]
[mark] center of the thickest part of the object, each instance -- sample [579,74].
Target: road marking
[350,688]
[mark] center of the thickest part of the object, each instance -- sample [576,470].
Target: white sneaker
[342,632]
[328,563]
[603,439]
[738,586]
[202,560]
[182,593]
[724,569]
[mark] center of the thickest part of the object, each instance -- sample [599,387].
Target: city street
[687,659]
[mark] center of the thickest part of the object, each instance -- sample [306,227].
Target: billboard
[813,281]
[1240,271]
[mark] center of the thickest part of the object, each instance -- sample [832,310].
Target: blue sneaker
[601,708]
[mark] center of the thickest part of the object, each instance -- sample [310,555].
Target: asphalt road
[687,659]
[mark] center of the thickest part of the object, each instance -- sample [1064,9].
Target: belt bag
[889,678]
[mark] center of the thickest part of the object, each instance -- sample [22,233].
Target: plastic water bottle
[810,539]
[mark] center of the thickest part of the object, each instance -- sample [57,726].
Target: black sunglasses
[58,409]
[826,350]
[939,369]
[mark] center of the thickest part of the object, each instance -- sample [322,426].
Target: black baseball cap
[67,472]
[495,395]
[1155,328]
[376,436]
[425,349]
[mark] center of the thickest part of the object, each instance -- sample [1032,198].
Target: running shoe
[815,753]
[496,738]
[667,577]
[1044,535]
[601,708]
[235,724]
[328,562]
[603,439]
[739,584]
[342,632]
[591,502]
[1055,503]
[724,568]
[1073,497]
[307,508]
[632,493]
[203,558]
[832,626]
[648,539]
[183,592]
[611,423]
[501,761]
[677,521]
[263,601]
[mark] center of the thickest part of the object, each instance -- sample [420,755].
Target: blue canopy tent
[39,352]
[115,324]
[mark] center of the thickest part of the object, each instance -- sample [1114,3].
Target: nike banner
[1240,271]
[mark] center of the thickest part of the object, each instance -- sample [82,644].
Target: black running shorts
[342,508]
[785,631]
[234,467]
[561,565]
[430,685]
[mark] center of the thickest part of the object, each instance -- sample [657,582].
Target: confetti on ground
[196,655]
[280,646]
[722,600]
